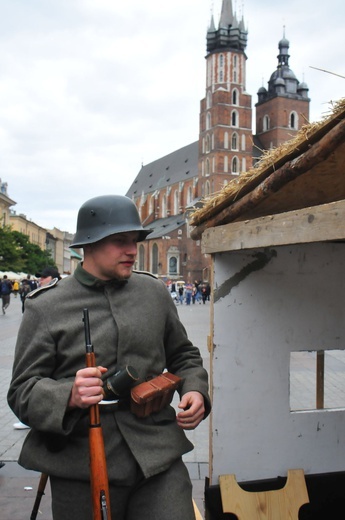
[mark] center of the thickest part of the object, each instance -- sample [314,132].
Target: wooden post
[320,379]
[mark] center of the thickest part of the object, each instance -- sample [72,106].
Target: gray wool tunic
[134,323]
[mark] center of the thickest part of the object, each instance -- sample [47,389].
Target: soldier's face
[112,257]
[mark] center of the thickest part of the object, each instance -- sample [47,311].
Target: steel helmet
[106,215]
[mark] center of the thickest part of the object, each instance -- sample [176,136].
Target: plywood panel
[268,303]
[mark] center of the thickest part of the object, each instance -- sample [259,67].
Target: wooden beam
[318,153]
[314,224]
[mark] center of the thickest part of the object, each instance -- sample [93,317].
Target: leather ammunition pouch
[154,395]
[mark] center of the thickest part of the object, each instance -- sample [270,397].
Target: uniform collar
[89,280]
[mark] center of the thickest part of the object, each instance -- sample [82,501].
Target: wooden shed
[277,240]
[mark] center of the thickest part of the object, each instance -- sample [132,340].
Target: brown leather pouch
[154,395]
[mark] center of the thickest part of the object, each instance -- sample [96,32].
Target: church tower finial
[230,34]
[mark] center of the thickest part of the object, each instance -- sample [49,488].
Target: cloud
[90,90]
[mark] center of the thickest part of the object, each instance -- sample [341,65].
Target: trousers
[166,496]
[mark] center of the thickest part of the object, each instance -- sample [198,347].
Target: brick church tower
[166,189]
[225,140]
[283,108]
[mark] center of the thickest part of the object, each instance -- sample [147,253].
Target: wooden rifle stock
[98,465]
[39,495]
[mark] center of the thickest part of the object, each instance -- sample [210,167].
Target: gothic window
[234,118]
[244,164]
[234,166]
[209,73]
[141,258]
[226,164]
[207,167]
[221,71]
[293,123]
[172,265]
[235,97]
[226,140]
[164,206]
[234,141]
[189,196]
[212,142]
[243,139]
[176,203]
[234,72]
[208,121]
[203,145]
[151,205]
[266,123]
[207,144]
[208,100]
[207,189]
[154,257]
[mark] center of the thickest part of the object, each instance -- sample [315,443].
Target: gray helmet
[106,215]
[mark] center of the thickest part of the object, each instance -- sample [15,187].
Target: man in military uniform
[51,390]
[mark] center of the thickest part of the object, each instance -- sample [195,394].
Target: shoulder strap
[39,290]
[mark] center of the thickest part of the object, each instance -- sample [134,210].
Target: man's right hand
[87,387]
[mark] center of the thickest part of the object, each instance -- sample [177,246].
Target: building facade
[5,205]
[168,188]
[55,241]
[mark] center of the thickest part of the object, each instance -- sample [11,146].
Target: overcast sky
[91,89]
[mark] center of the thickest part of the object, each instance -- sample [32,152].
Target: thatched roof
[306,171]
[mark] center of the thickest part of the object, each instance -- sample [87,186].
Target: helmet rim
[107,215]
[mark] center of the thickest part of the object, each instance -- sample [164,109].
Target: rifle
[98,465]
[40,492]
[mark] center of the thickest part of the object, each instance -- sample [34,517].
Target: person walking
[180,294]
[24,290]
[188,292]
[5,290]
[33,284]
[15,288]
[51,390]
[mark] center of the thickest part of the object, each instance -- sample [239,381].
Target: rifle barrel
[98,465]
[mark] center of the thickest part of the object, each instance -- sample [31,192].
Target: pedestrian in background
[24,290]
[15,288]
[47,275]
[5,289]
[188,292]
[180,294]
[32,283]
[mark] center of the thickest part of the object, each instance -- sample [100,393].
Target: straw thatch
[308,150]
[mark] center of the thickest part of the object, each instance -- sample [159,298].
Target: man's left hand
[193,413]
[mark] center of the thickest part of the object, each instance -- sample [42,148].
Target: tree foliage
[18,254]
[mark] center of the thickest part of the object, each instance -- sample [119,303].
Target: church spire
[230,34]
[226,16]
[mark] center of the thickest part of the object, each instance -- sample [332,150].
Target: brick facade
[165,190]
